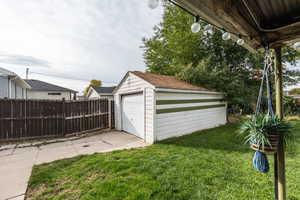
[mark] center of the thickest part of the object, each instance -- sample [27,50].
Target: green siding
[164,102]
[171,110]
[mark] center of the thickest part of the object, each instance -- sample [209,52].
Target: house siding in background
[4,87]
[101,92]
[9,88]
[93,94]
[51,95]
[43,90]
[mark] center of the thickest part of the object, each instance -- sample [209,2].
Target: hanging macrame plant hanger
[260,160]
[273,138]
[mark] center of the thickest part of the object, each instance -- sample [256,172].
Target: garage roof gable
[163,81]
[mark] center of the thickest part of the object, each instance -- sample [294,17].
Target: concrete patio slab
[15,171]
[6,152]
[118,139]
[47,155]
[92,147]
[16,163]
[94,138]
[56,145]
[21,197]
[25,150]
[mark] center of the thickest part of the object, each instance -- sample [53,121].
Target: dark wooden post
[279,111]
[63,117]
[109,114]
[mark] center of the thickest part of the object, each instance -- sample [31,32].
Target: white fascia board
[21,82]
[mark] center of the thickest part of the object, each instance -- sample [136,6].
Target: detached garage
[156,107]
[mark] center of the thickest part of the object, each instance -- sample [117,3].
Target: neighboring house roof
[7,73]
[163,81]
[104,90]
[38,85]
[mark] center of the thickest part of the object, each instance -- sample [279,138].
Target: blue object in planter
[260,162]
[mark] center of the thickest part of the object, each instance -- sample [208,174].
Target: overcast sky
[81,39]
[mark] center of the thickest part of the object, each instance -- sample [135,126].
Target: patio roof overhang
[276,22]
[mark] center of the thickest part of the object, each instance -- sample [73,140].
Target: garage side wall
[130,85]
[186,112]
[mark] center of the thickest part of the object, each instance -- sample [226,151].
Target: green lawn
[210,164]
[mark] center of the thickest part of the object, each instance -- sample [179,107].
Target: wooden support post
[279,112]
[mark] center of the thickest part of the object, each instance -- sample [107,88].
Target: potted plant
[263,132]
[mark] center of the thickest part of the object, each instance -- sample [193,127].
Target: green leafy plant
[257,129]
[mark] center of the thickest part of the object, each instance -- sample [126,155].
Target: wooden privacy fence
[20,119]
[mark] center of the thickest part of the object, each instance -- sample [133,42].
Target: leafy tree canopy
[95,83]
[207,60]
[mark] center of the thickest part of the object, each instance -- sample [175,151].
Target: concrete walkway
[16,163]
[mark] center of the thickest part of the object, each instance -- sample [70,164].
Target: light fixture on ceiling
[153,4]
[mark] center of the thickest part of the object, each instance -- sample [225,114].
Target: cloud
[75,38]
[23,60]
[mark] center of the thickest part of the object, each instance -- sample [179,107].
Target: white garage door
[133,114]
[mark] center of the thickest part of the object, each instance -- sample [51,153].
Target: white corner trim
[154,116]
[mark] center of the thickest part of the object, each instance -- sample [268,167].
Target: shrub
[291,106]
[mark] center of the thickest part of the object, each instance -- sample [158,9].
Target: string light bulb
[226,36]
[196,26]
[240,41]
[297,46]
[153,4]
[208,29]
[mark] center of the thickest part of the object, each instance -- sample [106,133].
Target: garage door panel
[133,114]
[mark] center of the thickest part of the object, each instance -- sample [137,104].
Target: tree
[207,60]
[95,83]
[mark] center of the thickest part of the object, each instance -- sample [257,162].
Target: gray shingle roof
[104,90]
[5,72]
[38,85]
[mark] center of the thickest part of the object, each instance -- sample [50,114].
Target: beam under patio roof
[274,21]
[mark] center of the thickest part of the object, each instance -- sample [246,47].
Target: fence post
[63,116]
[25,117]
[11,120]
[109,114]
